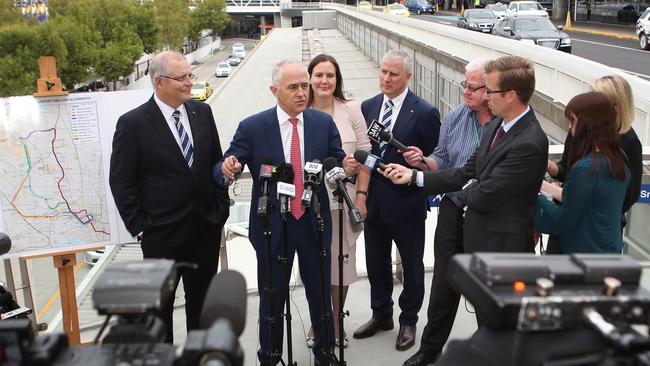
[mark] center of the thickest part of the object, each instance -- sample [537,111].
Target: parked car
[498,9]
[419,6]
[364,5]
[238,50]
[237,45]
[643,29]
[534,30]
[201,90]
[223,69]
[519,8]
[481,20]
[233,60]
[92,257]
[397,9]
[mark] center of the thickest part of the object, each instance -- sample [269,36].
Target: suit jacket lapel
[274,137]
[161,127]
[308,144]
[406,114]
[508,138]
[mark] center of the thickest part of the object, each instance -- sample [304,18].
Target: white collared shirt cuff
[419,180]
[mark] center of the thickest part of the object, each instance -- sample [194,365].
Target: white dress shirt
[397,106]
[167,112]
[286,131]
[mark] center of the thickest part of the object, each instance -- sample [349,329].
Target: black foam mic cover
[285,173]
[225,299]
[5,243]
[330,163]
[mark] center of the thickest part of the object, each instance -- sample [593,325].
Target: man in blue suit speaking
[286,133]
[397,213]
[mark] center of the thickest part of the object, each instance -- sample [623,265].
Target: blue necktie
[186,145]
[386,120]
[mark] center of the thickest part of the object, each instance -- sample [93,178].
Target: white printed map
[52,178]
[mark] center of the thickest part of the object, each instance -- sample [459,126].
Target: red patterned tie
[297,210]
[498,136]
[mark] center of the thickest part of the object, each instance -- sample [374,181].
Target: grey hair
[276,74]
[477,64]
[399,55]
[160,63]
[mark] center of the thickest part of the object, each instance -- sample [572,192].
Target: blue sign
[644,196]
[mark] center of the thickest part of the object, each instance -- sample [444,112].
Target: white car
[239,51]
[498,9]
[223,69]
[517,8]
[643,30]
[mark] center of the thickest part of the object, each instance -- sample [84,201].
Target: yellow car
[364,5]
[397,9]
[201,90]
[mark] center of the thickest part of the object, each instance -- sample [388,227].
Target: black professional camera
[551,310]
[133,293]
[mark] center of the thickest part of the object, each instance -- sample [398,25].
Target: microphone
[369,160]
[286,188]
[336,175]
[266,177]
[313,174]
[5,243]
[386,136]
[225,299]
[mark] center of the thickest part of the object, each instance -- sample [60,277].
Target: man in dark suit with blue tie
[160,177]
[396,212]
[287,133]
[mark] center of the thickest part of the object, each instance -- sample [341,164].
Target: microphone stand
[320,229]
[266,220]
[284,209]
[341,258]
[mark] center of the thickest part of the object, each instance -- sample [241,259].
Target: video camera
[134,293]
[549,310]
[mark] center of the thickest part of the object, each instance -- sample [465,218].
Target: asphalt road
[622,54]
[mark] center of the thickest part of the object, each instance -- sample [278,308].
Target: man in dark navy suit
[163,153]
[397,213]
[287,133]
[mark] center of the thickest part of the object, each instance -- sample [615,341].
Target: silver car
[223,69]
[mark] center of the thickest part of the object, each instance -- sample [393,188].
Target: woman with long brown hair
[588,220]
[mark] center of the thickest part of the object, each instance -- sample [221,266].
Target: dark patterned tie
[186,145]
[498,136]
[386,120]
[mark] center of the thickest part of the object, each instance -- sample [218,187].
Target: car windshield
[527,25]
[530,6]
[223,65]
[498,7]
[480,14]
[395,7]
[423,2]
[364,3]
[198,86]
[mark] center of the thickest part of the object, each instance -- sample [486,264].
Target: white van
[238,50]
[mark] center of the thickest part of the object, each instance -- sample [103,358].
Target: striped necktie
[186,145]
[386,120]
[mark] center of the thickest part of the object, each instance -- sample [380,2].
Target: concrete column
[263,30]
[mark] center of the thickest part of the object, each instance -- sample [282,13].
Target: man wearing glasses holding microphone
[160,177]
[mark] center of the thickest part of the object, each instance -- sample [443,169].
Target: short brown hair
[515,73]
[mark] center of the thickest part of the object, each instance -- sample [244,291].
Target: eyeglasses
[473,89]
[181,79]
[488,91]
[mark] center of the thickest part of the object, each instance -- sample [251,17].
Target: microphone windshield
[226,299]
[5,243]
[361,156]
[330,163]
[385,135]
[285,173]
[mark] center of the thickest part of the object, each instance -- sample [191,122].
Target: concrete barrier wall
[440,53]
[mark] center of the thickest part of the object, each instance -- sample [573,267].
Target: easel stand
[64,263]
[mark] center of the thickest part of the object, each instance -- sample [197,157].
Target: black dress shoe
[421,358]
[372,327]
[405,337]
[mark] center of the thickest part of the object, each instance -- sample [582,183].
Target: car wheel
[643,41]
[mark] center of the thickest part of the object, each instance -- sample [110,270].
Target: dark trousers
[199,246]
[409,238]
[301,239]
[443,300]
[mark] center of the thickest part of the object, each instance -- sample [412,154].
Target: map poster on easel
[54,161]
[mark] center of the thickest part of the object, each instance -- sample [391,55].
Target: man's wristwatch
[469,183]
[414,176]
